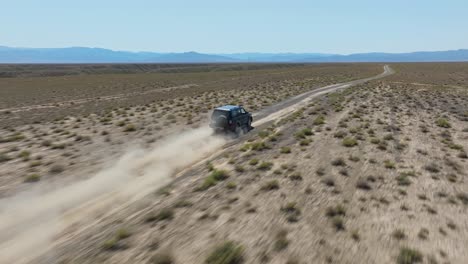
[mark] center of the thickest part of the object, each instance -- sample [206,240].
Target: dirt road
[33,222]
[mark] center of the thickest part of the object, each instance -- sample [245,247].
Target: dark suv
[231,118]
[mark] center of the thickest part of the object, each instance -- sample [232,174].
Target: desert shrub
[292,211]
[265,165]
[231,185]
[319,120]
[253,162]
[281,241]
[388,137]
[461,155]
[432,167]
[320,171]
[403,180]
[228,252]
[273,138]
[340,134]
[455,146]
[338,223]
[239,168]
[382,145]
[56,169]
[451,225]
[270,185]
[12,138]
[423,233]
[113,243]
[443,122]
[35,163]
[245,148]
[219,175]
[329,181]
[110,244]
[389,164]
[122,233]
[303,133]
[338,162]
[409,256]
[285,150]
[305,142]
[363,184]
[24,155]
[130,128]
[163,214]
[213,179]
[207,183]
[162,258]
[355,235]
[4,157]
[58,146]
[344,172]
[166,190]
[183,203]
[33,178]
[335,211]
[263,134]
[82,138]
[296,177]
[463,197]
[349,142]
[399,234]
[307,132]
[259,146]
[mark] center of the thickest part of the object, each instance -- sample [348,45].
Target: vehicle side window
[242,111]
[234,113]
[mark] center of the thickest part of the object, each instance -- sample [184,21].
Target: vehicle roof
[227,107]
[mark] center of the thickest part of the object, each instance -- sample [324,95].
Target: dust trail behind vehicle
[30,220]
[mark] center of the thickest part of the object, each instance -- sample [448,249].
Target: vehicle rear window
[217,113]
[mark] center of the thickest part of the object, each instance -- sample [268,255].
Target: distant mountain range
[99,55]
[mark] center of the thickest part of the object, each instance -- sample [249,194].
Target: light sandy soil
[45,166]
[375,173]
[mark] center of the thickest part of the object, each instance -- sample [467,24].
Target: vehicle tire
[239,131]
[221,121]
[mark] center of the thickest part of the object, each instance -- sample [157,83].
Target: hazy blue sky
[216,26]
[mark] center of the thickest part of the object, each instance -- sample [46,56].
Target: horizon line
[230,53]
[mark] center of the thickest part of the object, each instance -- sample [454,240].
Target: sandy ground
[371,174]
[32,205]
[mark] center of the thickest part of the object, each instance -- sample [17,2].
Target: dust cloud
[30,221]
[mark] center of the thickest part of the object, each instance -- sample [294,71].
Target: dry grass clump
[443,122]
[349,142]
[33,178]
[292,211]
[229,252]
[363,184]
[270,185]
[281,241]
[162,258]
[114,243]
[409,256]
[163,214]
[213,179]
[265,165]
[338,162]
[336,214]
